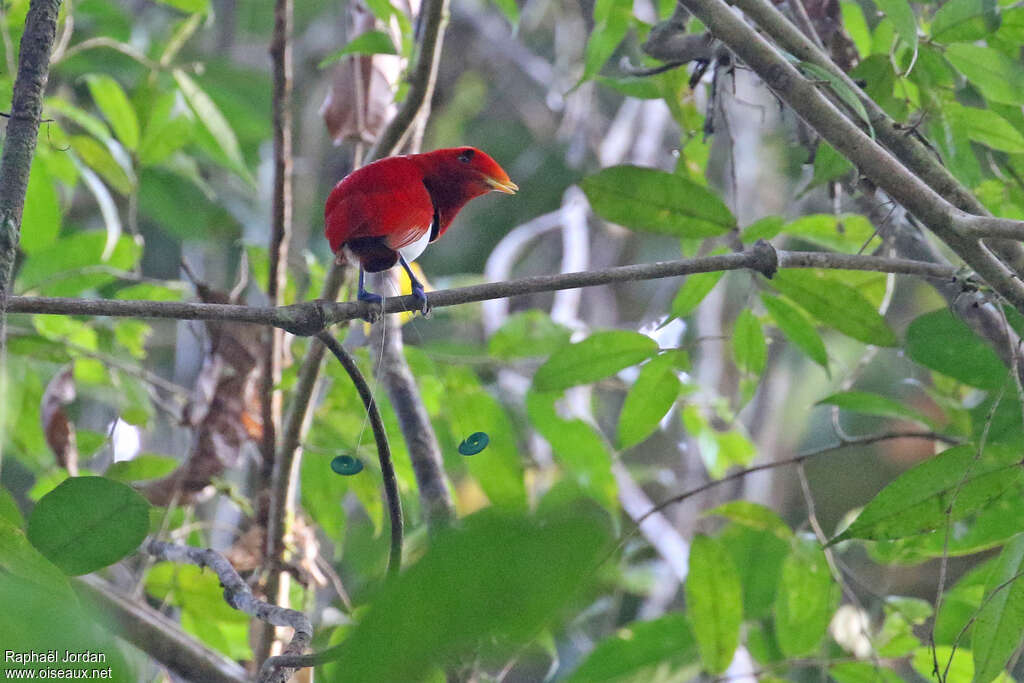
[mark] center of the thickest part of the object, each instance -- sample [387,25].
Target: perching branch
[802,95]
[387,468]
[238,595]
[23,129]
[157,635]
[311,317]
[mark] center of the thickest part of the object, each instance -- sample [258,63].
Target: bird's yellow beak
[506,185]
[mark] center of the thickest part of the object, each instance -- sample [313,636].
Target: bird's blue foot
[371,298]
[421,296]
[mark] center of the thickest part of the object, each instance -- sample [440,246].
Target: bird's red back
[395,197]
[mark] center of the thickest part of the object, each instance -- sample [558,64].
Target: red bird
[386,212]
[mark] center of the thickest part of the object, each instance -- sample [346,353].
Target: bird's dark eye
[466,155]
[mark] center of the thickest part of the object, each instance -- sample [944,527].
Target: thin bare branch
[238,595]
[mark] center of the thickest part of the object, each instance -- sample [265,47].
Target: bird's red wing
[385,199]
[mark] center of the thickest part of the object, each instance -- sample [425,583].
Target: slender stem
[387,468]
[282,506]
[308,318]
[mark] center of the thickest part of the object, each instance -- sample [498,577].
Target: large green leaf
[753,515]
[836,304]
[598,356]
[950,486]
[796,328]
[649,399]
[213,122]
[748,346]
[656,201]
[714,603]
[577,446]
[369,43]
[40,219]
[867,403]
[99,158]
[640,650]
[806,599]
[1000,623]
[611,21]
[112,101]
[88,523]
[694,290]
[494,579]
[989,128]
[965,20]
[902,17]
[169,128]
[942,342]
[999,78]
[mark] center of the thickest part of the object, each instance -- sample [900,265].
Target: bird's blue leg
[417,286]
[371,298]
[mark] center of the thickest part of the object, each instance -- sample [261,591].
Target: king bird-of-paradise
[386,212]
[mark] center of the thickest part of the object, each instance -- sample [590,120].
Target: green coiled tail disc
[474,443]
[346,465]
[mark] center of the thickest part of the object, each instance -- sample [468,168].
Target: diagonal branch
[802,95]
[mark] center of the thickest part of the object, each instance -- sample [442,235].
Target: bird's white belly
[413,251]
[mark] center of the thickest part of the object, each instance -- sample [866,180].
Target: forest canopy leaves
[598,356]
[942,342]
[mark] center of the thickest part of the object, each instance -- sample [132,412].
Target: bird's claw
[421,296]
[373,314]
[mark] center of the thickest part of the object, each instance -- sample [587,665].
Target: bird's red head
[471,171]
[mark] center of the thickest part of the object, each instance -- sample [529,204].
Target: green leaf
[1000,623]
[142,467]
[748,347]
[190,6]
[806,599]
[714,603]
[112,101]
[867,403]
[649,400]
[88,523]
[611,22]
[640,651]
[41,217]
[862,672]
[656,201]
[369,43]
[902,17]
[753,515]
[577,446]
[214,122]
[848,96]
[758,556]
[965,20]
[9,509]
[836,304]
[942,342]
[91,124]
[19,559]
[98,157]
[598,356]
[829,164]
[494,579]
[961,668]
[169,128]
[796,328]
[528,334]
[499,469]
[510,9]
[694,290]
[856,26]
[999,78]
[990,129]
[950,486]
[845,232]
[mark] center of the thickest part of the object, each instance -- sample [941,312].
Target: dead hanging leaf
[58,428]
[225,411]
[360,100]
